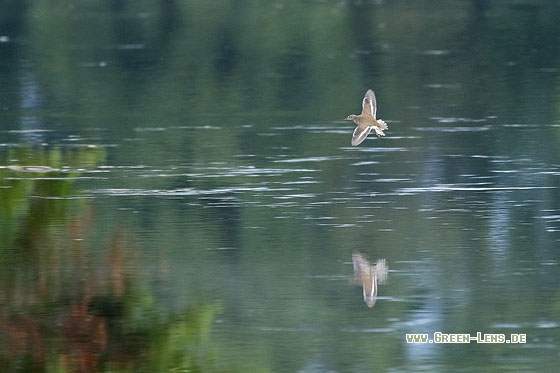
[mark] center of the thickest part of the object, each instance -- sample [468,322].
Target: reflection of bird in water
[367,121]
[369,276]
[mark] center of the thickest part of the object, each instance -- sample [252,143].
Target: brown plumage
[367,121]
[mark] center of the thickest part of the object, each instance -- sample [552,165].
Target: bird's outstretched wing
[360,134]
[369,104]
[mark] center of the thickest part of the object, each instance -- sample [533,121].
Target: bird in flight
[367,121]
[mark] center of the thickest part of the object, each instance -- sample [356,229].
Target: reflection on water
[369,276]
[64,310]
[38,169]
[71,303]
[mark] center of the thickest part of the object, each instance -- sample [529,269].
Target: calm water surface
[178,191]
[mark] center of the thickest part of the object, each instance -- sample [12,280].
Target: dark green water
[178,191]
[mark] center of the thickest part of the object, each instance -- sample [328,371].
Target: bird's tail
[382,124]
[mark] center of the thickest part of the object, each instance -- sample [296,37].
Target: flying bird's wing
[369,104]
[360,134]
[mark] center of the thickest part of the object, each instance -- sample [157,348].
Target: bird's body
[366,121]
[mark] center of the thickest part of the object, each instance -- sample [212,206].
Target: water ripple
[125,192]
[308,159]
[459,187]
[454,129]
